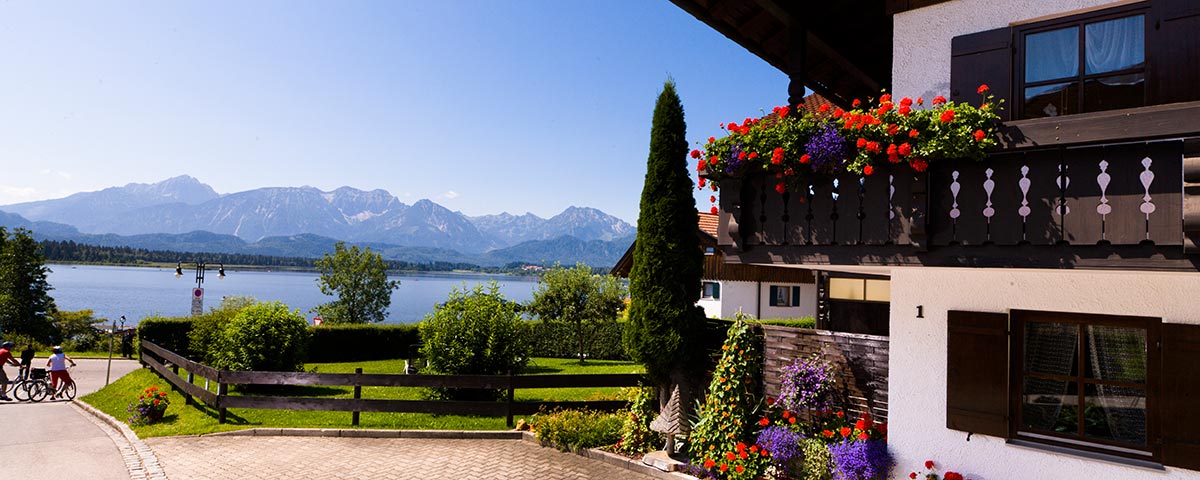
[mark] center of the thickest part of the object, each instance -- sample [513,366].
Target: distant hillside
[285,217]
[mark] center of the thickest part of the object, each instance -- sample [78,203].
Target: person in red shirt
[6,357]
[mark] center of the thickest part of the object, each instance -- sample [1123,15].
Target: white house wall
[917,365]
[746,296]
[921,42]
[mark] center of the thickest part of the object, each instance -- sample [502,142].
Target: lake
[138,292]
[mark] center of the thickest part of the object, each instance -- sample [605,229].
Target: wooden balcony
[1106,205]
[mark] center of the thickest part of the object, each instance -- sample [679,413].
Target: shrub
[718,440]
[205,338]
[578,429]
[346,343]
[475,332]
[802,322]
[636,435]
[818,462]
[169,333]
[557,340]
[264,337]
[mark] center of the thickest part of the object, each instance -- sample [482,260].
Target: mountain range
[183,214]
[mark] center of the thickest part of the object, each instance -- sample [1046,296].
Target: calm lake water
[141,292]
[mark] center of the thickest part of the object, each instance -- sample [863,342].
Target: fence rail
[168,364]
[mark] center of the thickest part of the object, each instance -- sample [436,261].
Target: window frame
[774,296]
[1154,371]
[1080,20]
[704,291]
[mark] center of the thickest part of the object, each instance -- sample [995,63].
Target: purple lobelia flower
[861,460]
[827,150]
[806,384]
[783,443]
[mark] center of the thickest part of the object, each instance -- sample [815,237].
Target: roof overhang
[842,50]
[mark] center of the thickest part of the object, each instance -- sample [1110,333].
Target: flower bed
[880,131]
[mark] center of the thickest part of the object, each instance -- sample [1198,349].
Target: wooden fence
[168,364]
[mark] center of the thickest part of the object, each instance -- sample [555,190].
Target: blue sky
[481,106]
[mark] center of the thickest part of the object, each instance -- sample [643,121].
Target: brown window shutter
[977,373]
[983,58]
[1180,391]
[1173,51]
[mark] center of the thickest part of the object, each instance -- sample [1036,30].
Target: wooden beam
[1116,126]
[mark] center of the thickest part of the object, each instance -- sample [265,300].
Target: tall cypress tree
[664,284]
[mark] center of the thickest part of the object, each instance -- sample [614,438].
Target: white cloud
[450,195]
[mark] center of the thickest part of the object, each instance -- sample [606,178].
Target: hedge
[345,343]
[557,340]
[169,333]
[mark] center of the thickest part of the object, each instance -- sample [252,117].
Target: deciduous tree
[359,280]
[576,297]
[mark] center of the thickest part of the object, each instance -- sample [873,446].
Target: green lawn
[183,419]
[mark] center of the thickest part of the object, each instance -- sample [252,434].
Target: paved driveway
[224,457]
[51,440]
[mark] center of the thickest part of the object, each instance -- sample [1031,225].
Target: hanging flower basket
[881,131]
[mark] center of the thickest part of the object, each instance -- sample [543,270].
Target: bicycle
[30,385]
[67,389]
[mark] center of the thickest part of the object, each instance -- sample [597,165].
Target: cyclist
[58,369]
[6,358]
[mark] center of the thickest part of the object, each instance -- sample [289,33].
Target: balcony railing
[1115,199]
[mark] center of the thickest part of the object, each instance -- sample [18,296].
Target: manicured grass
[197,419]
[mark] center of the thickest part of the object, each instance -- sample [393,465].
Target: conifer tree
[25,302]
[665,324]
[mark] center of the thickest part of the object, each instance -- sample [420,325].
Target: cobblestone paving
[224,457]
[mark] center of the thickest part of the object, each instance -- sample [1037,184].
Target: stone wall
[860,364]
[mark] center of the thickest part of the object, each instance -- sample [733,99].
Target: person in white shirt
[58,369]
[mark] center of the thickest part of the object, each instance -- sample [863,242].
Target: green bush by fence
[557,340]
[802,322]
[345,343]
[166,332]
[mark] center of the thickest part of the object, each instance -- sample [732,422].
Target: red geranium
[713,210]
[708,463]
[868,170]
[928,464]
[919,164]
[845,431]
[979,135]
[804,159]
[952,476]
[904,149]
[824,108]
[701,165]
[764,422]
[856,103]
[938,100]
[695,154]
[947,116]
[982,89]
[780,188]
[913,133]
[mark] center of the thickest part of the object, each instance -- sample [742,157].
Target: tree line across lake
[71,251]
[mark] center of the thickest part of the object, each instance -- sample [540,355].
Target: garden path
[272,457]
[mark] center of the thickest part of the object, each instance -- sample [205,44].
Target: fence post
[175,370]
[357,393]
[222,389]
[187,398]
[510,399]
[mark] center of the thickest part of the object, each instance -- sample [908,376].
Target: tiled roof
[708,223]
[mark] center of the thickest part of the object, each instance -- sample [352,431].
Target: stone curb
[138,457]
[594,454]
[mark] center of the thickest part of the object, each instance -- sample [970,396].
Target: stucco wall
[917,363]
[746,296]
[921,39]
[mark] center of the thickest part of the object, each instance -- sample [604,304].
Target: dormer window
[1084,63]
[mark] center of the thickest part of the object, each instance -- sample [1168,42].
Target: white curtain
[1115,44]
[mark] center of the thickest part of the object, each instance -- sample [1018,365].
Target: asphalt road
[52,440]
